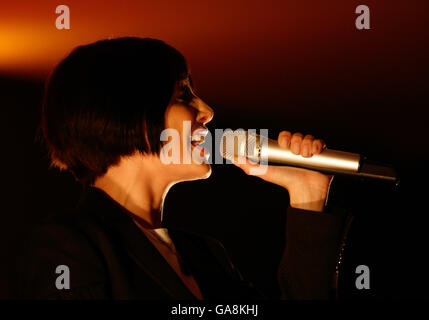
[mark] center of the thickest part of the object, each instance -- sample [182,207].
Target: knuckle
[307,142]
[318,142]
[308,137]
[298,134]
[285,133]
[284,139]
[296,138]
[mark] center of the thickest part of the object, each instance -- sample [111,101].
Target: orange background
[244,55]
[250,42]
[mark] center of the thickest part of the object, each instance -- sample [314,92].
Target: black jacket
[109,257]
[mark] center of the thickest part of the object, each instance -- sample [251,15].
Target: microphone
[263,150]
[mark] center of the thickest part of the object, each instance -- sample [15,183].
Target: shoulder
[56,245]
[66,231]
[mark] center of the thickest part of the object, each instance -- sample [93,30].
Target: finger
[306,146]
[284,139]
[295,143]
[317,146]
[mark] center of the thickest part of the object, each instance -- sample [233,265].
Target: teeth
[197,139]
[199,135]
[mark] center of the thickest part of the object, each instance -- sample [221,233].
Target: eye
[186,94]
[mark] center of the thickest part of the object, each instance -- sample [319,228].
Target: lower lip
[203,152]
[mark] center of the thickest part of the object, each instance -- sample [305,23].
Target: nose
[205,113]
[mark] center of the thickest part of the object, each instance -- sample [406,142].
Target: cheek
[183,124]
[178,118]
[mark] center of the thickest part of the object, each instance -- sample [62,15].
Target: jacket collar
[115,218]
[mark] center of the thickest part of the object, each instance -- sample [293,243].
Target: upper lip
[198,135]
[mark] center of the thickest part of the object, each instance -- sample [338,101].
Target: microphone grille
[237,143]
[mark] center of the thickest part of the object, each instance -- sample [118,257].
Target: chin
[200,172]
[208,171]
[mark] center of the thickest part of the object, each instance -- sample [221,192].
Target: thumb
[252,169]
[281,175]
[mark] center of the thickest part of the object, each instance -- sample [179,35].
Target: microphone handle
[329,161]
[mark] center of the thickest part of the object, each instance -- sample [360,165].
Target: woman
[105,108]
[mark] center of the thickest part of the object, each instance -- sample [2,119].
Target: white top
[162,241]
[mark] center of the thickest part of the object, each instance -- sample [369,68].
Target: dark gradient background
[294,65]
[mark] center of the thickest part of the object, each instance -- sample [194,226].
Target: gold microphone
[262,150]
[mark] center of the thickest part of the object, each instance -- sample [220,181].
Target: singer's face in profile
[187,115]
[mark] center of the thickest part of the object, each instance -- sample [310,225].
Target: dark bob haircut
[106,100]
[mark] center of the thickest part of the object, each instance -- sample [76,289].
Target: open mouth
[198,136]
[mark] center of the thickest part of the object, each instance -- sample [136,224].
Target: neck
[138,185]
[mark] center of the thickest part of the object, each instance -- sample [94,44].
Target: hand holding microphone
[291,156]
[307,189]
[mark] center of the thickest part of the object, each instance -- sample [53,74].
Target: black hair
[106,100]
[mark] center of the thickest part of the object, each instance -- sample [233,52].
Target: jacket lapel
[135,242]
[201,263]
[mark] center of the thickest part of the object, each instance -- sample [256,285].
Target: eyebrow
[189,79]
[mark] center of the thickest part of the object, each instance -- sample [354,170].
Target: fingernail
[295,148]
[286,141]
[305,151]
[319,148]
